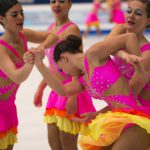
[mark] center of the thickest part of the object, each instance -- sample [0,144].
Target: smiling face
[60,8]
[136,16]
[13,19]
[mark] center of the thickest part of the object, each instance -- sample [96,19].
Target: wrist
[39,64]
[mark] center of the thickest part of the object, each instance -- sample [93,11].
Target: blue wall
[77,1]
[47,1]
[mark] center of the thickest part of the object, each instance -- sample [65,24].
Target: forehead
[15,7]
[136,4]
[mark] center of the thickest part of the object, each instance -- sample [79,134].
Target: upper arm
[35,36]
[6,65]
[118,29]
[73,30]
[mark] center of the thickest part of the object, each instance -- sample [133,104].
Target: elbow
[18,80]
[62,93]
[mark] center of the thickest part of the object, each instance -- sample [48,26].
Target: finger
[80,120]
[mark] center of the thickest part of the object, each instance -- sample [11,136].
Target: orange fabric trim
[133,112]
[61,113]
[13,130]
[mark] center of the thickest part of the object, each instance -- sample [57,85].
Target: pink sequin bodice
[12,86]
[101,80]
[127,69]
[50,52]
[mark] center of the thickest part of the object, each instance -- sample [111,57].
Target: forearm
[51,80]
[42,85]
[22,74]
[51,40]
[121,54]
[138,80]
[105,109]
[132,44]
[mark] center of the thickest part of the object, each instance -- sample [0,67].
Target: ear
[1,19]
[148,22]
[64,58]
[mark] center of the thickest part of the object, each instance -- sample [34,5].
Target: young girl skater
[126,124]
[62,131]
[13,71]
[116,15]
[92,18]
[137,21]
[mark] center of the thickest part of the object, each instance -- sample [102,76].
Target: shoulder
[117,30]
[73,29]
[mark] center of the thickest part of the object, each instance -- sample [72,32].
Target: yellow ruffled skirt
[63,121]
[107,127]
[8,138]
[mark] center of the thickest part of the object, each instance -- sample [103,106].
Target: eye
[138,12]
[14,14]
[21,13]
[53,1]
[61,1]
[129,11]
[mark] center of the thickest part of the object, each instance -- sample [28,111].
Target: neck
[140,36]
[78,61]
[11,37]
[62,21]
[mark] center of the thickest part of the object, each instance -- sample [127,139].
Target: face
[67,67]
[136,16]
[60,8]
[13,19]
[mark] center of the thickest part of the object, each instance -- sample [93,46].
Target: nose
[20,16]
[132,14]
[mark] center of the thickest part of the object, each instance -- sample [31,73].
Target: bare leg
[53,137]
[98,31]
[135,138]
[87,31]
[10,147]
[69,141]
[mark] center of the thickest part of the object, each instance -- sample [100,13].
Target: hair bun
[74,41]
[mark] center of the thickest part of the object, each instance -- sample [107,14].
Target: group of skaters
[115,70]
[116,15]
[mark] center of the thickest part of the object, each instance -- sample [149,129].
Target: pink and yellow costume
[117,13]
[107,127]
[8,90]
[55,109]
[128,70]
[92,18]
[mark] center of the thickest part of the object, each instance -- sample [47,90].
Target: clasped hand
[34,55]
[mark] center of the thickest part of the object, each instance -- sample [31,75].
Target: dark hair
[71,45]
[5,5]
[147,2]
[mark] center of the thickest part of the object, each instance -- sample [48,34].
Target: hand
[138,80]
[38,55]
[28,57]
[132,59]
[38,98]
[71,105]
[86,118]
